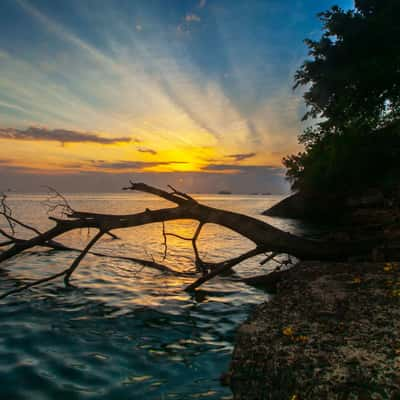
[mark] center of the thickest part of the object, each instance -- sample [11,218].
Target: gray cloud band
[59,135]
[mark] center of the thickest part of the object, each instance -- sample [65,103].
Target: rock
[373,198]
[330,332]
[290,207]
[307,207]
[371,205]
[269,282]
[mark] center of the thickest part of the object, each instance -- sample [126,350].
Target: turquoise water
[125,332]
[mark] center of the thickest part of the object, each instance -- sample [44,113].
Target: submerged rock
[330,332]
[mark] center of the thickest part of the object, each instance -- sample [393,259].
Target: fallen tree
[267,239]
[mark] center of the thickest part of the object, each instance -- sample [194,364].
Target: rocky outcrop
[309,207]
[293,206]
[330,332]
[317,206]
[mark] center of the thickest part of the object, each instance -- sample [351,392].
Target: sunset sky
[193,93]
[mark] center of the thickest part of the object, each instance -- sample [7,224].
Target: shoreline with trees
[331,329]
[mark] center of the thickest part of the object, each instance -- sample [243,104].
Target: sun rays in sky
[179,86]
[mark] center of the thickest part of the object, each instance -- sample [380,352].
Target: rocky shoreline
[331,331]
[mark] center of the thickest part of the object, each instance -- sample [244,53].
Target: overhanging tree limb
[265,237]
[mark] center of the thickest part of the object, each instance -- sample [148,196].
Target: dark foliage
[353,92]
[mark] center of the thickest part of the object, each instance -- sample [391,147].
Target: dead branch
[165,244]
[113,236]
[268,258]
[6,212]
[266,238]
[55,201]
[200,265]
[223,267]
[7,235]
[152,264]
[181,194]
[68,272]
[22,224]
[83,253]
[178,236]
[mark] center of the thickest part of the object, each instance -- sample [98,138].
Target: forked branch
[266,238]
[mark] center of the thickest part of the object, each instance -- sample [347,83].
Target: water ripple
[124,332]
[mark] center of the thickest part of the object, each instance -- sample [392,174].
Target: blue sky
[197,89]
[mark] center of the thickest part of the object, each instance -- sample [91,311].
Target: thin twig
[200,265]
[55,201]
[146,263]
[223,266]
[6,212]
[7,235]
[178,236]
[24,225]
[182,194]
[165,244]
[113,236]
[78,259]
[263,235]
[268,258]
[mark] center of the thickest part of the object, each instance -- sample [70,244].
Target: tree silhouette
[352,95]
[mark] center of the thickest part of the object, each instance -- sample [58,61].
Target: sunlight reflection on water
[125,332]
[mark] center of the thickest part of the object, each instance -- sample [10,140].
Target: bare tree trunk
[265,237]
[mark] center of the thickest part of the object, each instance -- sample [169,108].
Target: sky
[192,93]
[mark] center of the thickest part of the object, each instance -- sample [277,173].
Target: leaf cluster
[352,94]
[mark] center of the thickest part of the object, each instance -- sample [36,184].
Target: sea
[124,331]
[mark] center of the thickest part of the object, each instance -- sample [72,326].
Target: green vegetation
[352,93]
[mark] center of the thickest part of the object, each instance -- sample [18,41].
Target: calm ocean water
[125,332]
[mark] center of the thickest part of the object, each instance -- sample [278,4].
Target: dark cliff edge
[326,206]
[330,332]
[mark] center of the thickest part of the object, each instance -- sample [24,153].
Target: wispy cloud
[123,165]
[131,73]
[155,87]
[131,165]
[183,99]
[146,150]
[241,156]
[59,135]
[242,168]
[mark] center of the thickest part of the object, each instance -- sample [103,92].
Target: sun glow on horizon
[150,87]
[134,86]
